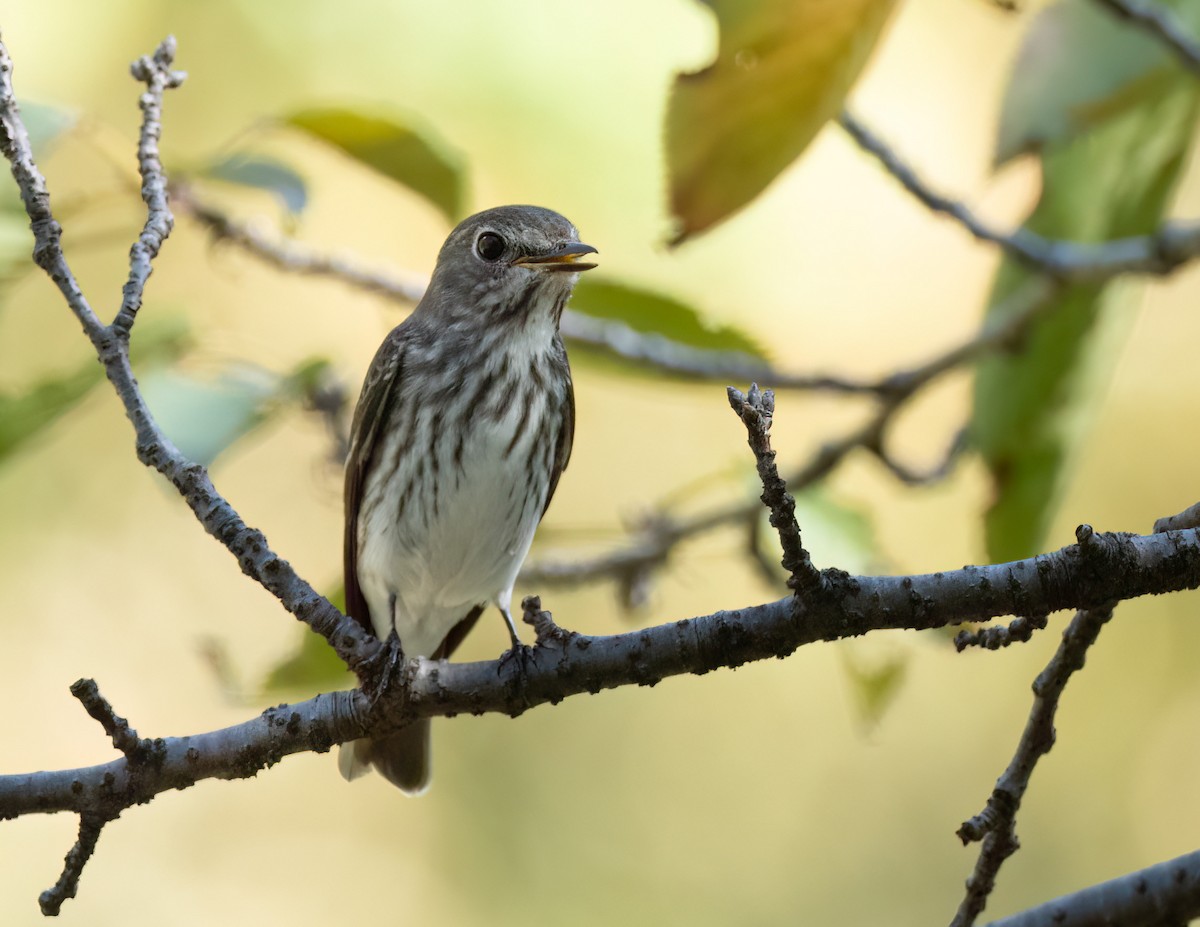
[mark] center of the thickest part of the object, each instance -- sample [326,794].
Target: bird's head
[511,262]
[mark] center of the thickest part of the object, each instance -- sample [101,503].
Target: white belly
[427,560]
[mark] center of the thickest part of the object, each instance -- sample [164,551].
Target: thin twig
[607,335]
[1017,631]
[155,72]
[1158,21]
[1159,253]
[651,548]
[90,826]
[1188,518]
[124,737]
[756,409]
[995,826]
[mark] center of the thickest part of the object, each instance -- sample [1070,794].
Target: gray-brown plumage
[461,433]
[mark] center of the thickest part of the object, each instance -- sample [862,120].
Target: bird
[461,432]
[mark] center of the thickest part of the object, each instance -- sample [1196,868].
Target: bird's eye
[489,246]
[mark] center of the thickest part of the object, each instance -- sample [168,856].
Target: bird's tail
[401,758]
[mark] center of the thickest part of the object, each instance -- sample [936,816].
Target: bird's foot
[519,654]
[383,671]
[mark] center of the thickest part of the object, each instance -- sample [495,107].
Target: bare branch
[1107,568]
[1158,21]
[756,410]
[995,826]
[1159,253]
[154,449]
[51,900]
[1158,896]
[1017,631]
[155,72]
[124,738]
[652,547]
[1188,518]
[607,335]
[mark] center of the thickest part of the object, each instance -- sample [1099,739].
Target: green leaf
[45,124]
[263,174]
[1114,181]
[875,683]
[652,313]
[202,417]
[313,664]
[835,533]
[782,70]
[1080,66]
[400,151]
[26,414]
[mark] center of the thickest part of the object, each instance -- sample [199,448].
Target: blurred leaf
[783,68]
[410,156]
[45,125]
[313,665]
[835,534]
[16,247]
[25,414]
[263,174]
[204,416]
[1080,66]
[875,684]
[1115,181]
[653,313]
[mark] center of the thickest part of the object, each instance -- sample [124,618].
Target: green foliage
[313,665]
[646,311]
[782,70]
[1114,179]
[27,413]
[1080,67]
[204,416]
[409,155]
[874,683]
[263,174]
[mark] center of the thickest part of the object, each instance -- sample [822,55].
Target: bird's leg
[520,651]
[384,669]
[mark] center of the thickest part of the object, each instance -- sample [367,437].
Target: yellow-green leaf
[407,154]
[782,69]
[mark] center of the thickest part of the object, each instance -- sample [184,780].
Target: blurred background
[824,788]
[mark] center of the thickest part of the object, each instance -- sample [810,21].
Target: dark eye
[490,246]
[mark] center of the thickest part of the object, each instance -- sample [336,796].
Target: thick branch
[1157,896]
[1108,568]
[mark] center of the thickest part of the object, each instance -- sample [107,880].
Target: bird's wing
[566,437]
[382,380]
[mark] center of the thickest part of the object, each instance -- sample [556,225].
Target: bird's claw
[383,670]
[521,654]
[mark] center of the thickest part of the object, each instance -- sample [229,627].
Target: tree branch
[111,342]
[611,336]
[1158,896]
[1109,567]
[1159,253]
[1158,21]
[995,826]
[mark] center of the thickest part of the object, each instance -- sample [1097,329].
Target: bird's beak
[565,258]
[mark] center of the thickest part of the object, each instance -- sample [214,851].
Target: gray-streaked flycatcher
[462,430]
